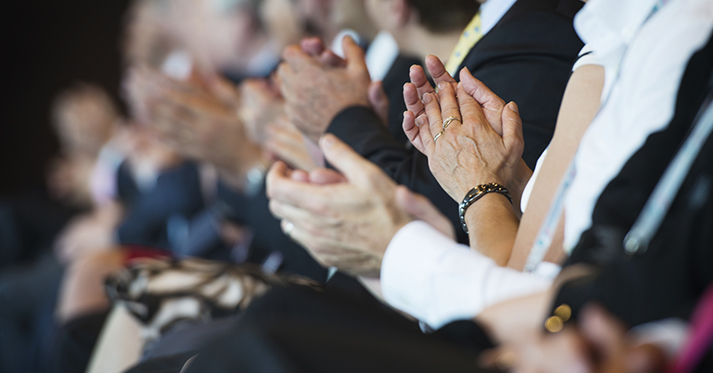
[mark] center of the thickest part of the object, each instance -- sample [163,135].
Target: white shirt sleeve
[429,276]
[586,56]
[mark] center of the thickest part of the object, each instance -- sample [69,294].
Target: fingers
[324,176]
[473,117]
[300,176]
[412,131]
[296,58]
[421,208]
[412,99]
[281,187]
[420,81]
[425,134]
[352,165]
[492,104]
[478,90]
[378,100]
[512,128]
[313,46]
[354,54]
[450,111]
[330,59]
[438,70]
[435,120]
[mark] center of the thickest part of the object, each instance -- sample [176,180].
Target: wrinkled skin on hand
[316,90]
[346,221]
[483,145]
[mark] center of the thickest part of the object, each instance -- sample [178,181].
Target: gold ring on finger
[439,134]
[448,122]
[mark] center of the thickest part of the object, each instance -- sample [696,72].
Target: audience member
[575,164]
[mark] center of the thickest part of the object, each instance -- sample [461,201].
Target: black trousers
[341,328]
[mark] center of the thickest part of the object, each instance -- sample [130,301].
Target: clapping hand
[469,134]
[346,221]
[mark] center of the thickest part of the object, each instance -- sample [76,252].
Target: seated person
[626,279]
[337,228]
[525,54]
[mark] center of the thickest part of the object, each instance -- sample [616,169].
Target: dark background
[47,45]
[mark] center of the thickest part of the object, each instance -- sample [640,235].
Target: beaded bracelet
[478,193]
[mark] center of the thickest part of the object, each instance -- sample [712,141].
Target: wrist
[467,210]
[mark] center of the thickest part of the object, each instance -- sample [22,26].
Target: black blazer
[527,58]
[668,279]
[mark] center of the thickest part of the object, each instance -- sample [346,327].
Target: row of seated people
[410,231]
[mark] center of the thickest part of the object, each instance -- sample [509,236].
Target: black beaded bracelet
[478,193]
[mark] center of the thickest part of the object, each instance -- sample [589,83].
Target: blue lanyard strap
[658,204]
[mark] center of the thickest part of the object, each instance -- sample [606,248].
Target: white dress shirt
[436,280]
[644,64]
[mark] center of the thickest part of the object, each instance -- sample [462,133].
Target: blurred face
[85,124]
[378,11]
[283,21]
[216,34]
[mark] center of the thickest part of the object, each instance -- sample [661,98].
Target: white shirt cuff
[431,277]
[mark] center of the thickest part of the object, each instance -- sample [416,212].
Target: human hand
[600,343]
[315,93]
[376,95]
[285,142]
[345,223]
[471,153]
[414,92]
[199,121]
[261,105]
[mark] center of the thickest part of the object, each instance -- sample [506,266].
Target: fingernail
[427,98]
[420,121]
[441,86]
[513,106]
[327,141]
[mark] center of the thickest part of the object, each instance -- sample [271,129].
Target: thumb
[379,101]
[512,128]
[352,165]
[354,54]
[421,208]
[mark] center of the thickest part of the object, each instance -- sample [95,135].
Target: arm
[579,106]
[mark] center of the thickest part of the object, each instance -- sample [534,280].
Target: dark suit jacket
[177,194]
[527,58]
[668,279]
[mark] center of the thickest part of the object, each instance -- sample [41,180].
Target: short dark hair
[445,15]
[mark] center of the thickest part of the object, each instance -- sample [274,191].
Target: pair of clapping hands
[347,220]
[207,118]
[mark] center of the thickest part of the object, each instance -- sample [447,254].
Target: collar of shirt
[491,12]
[607,27]
[380,55]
